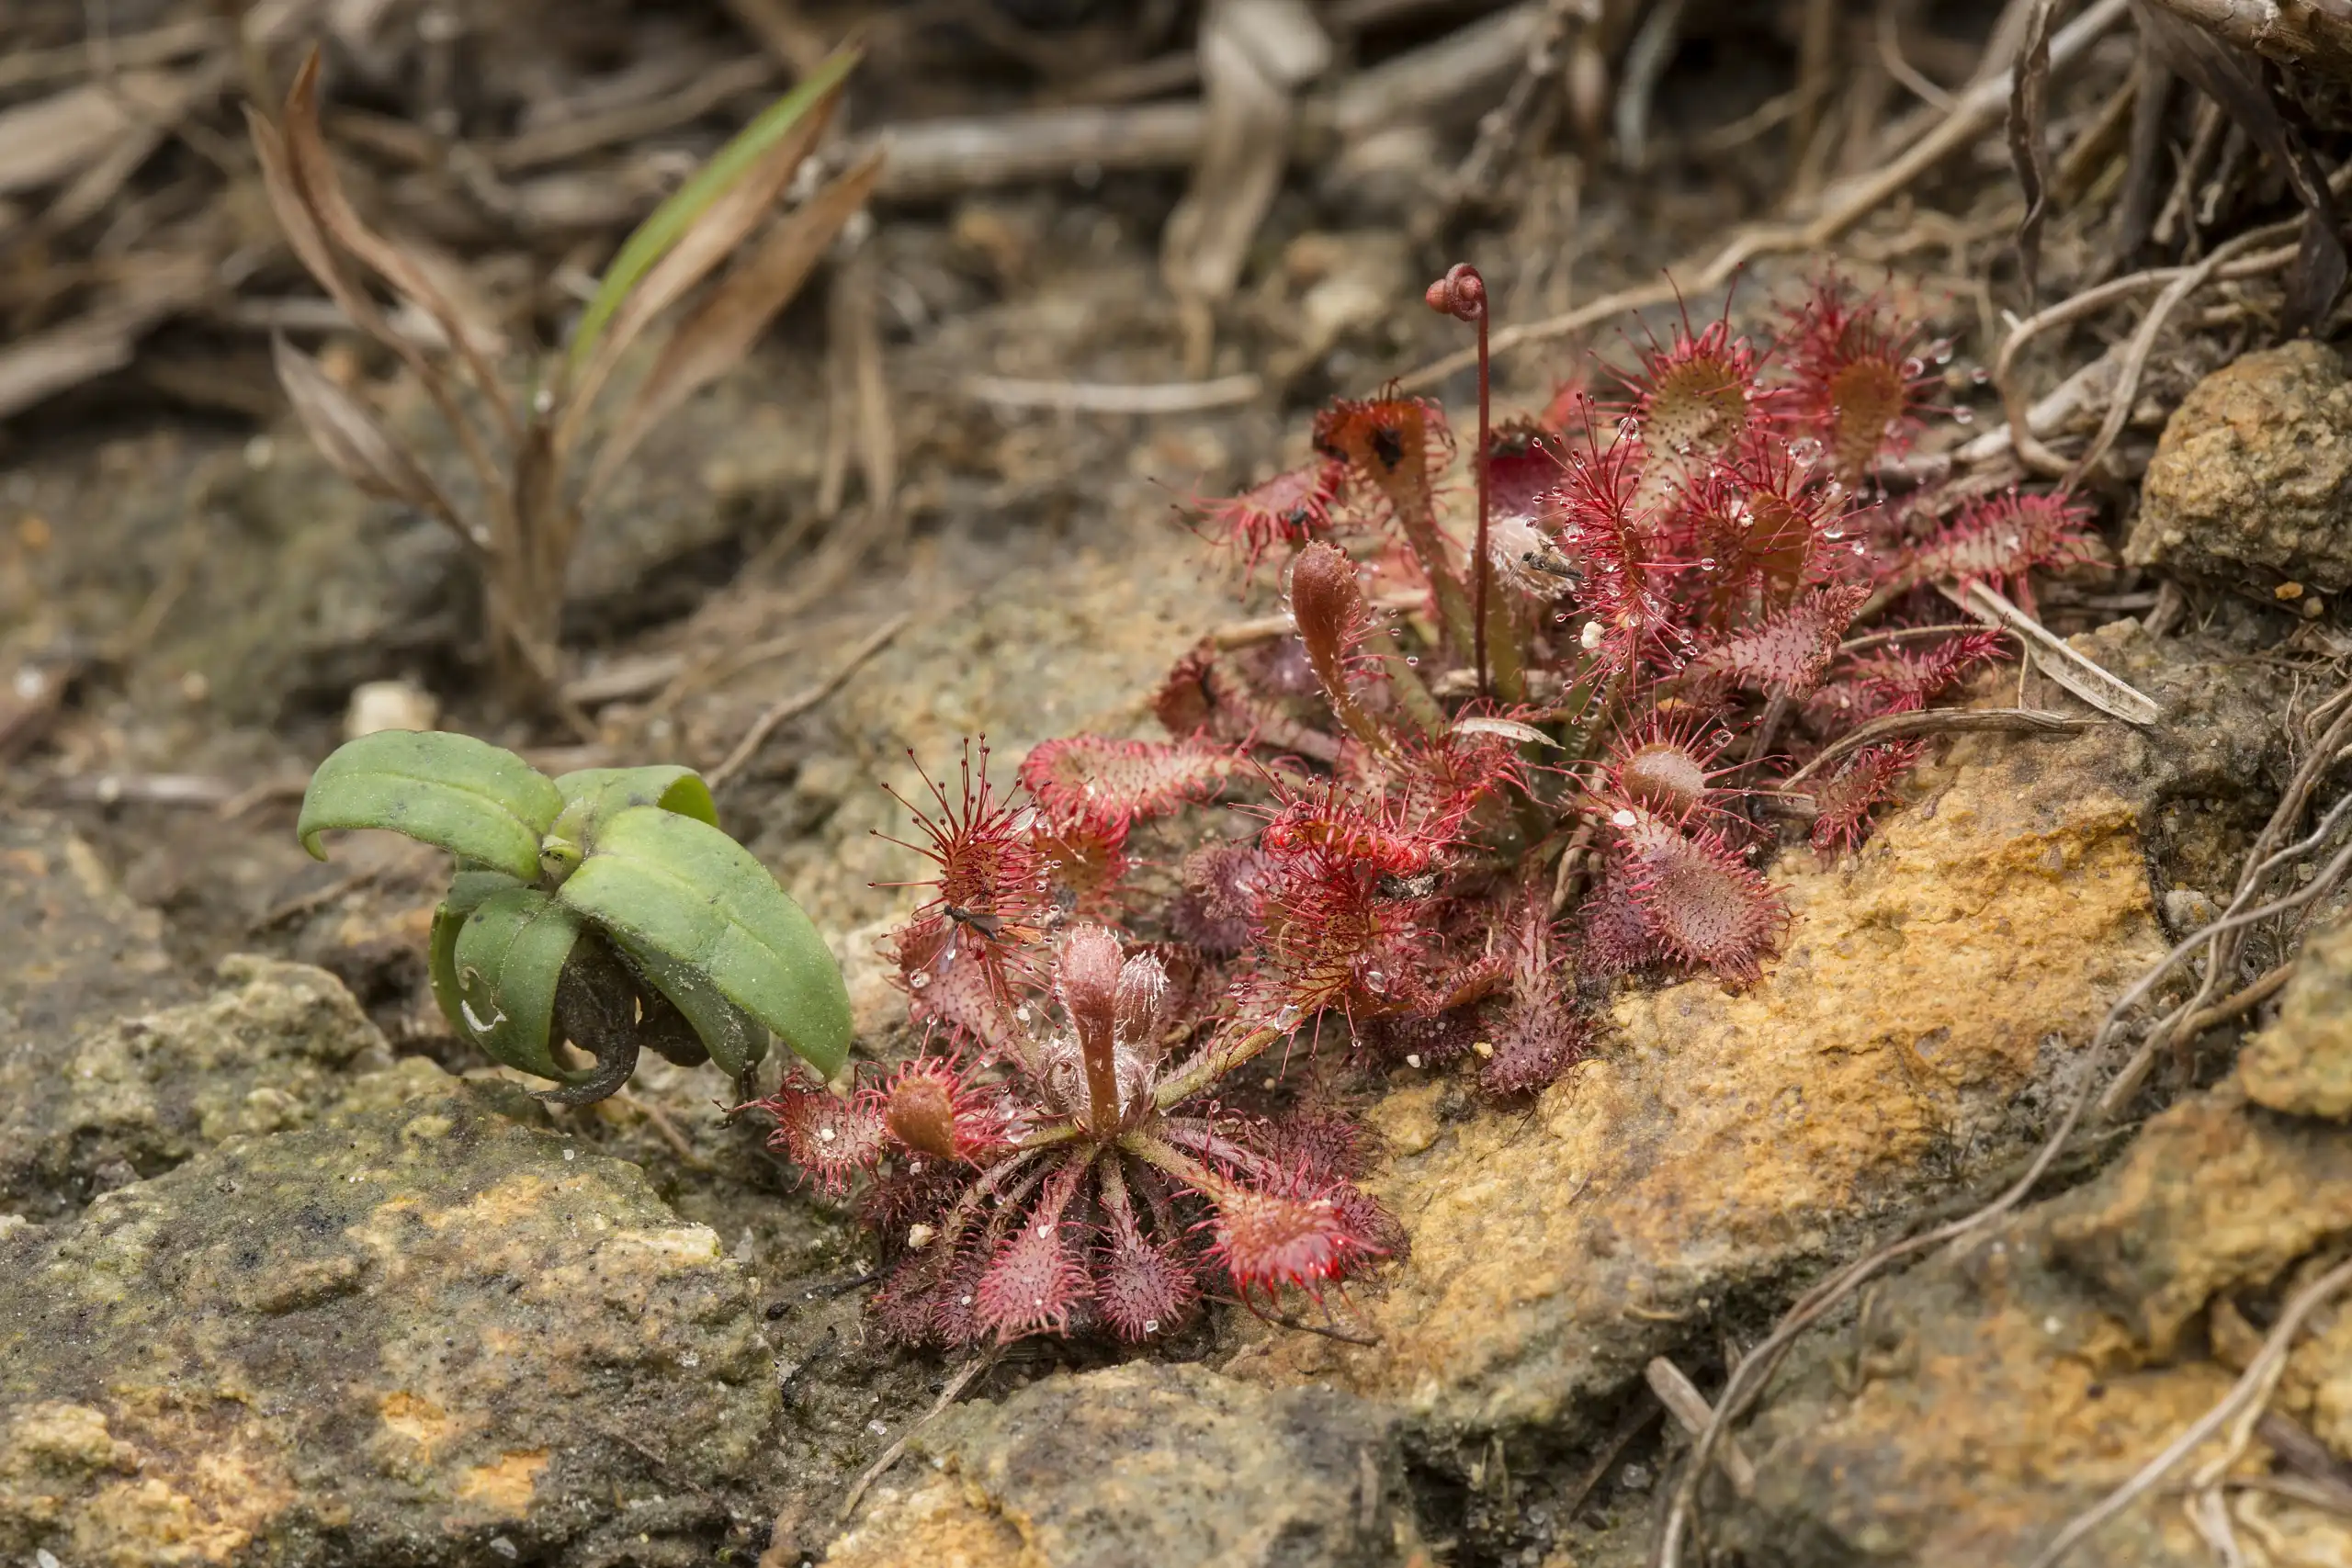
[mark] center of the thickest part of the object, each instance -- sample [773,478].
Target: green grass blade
[668,222]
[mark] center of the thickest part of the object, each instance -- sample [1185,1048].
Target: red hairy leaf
[1089,776]
[1288,510]
[830,1138]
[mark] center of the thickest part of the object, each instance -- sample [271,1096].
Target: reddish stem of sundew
[1461,294]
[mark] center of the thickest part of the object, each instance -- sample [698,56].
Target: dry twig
[1843,207]
[2244,1401]
[1754,1369]
[1939,721]
[890,1455]
[800,702]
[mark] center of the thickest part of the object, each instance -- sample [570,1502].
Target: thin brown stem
[1213,1064]
[1461,294]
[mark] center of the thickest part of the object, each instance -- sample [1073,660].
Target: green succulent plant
[605,907]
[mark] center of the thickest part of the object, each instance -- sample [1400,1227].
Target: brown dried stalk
[522,443]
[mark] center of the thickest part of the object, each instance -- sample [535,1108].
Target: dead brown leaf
[710,239]
[723,328]
[322,190]
[351,439]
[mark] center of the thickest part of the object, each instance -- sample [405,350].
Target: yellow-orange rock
[1931,990]
[1985,1398]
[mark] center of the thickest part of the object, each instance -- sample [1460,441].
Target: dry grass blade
[2143,343]
[1844,207]
[54,138]
[351,440]
[339,222]
[301,231]
[2029,140]
[1255,54]
[2251,1391]
[719,334]
[1939,721]
[2238,79]
[2099,687]
[2023,425]
[40,364]
[1691,1410]
[706,240]
[172,41]
[890,1455]
[475,316]
[1108,397]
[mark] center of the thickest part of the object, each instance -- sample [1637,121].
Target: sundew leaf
[681,890]
[467,892]
[509,958]
[480,803]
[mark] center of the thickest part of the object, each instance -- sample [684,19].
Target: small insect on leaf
[480,803]
[679,889]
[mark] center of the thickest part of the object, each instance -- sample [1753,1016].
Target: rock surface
[417,1333]
[81,1114]
[1986,1397]
[78,950]
[1142,1466]
[2302,1062]
[2251,482]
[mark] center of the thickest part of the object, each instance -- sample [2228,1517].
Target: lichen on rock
[406,1333]
[81,1112]
[1140,1466]
[2251,482]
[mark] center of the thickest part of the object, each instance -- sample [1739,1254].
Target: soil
[203,596]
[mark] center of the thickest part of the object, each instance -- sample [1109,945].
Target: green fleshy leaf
[733,1037]
[669,222]
[680,889]
[509,958]
[472,885]
[479,802]
[592,795]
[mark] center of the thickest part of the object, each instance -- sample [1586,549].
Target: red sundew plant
[1089,1182]
[1547,752]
